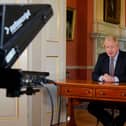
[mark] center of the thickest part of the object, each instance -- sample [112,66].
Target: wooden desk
[88,90]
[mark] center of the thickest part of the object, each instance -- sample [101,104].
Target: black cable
[52,105]
[48,81]
[45,81]
[42,82]
[59,112]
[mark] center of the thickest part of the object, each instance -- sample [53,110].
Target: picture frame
[112,11]
[70,24]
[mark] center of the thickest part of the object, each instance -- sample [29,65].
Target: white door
[51,58]
[45,53]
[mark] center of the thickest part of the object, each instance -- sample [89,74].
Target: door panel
[53,57]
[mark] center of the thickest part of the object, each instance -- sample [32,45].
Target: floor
[83,118]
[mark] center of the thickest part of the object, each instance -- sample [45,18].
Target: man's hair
[111,38]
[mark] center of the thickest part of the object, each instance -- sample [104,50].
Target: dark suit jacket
[102,66]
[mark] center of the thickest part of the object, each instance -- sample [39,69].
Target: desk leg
[70,113]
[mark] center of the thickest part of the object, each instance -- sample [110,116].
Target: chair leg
[113,112]
[97,122]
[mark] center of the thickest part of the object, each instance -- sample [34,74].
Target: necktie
[111,66]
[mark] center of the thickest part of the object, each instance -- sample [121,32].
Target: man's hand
[107,78]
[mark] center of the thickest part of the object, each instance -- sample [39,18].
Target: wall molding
[97,35]
[80,67]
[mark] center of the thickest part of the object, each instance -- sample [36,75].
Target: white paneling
[12,108]
[21,63]
[54,25]
[53,66]
[47,53]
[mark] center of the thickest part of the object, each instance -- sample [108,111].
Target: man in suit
[110,67]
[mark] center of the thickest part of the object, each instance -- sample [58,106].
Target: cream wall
[102,28]
[107,28]
[49,55]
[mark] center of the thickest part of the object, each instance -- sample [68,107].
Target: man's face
[111,47]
